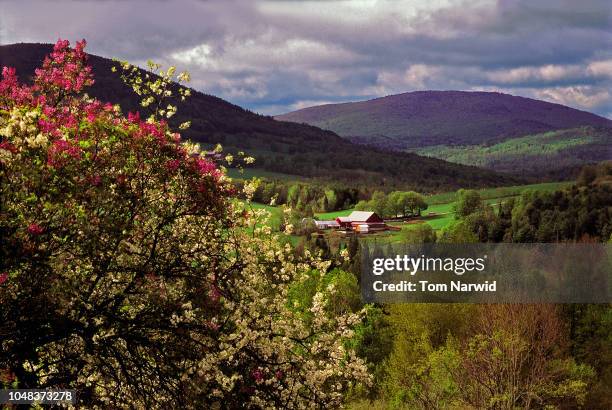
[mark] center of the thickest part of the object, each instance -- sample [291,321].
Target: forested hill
[424,118]
[278,146]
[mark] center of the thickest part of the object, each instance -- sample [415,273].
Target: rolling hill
[279,147]
[501,132]
[556,153]
[423,118]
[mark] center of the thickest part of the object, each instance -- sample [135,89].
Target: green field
[501,192]
[442,204]
[447,214]
[276,213]
[333,215]
[532,154]
[540,145]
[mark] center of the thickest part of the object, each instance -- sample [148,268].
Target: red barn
[362,221]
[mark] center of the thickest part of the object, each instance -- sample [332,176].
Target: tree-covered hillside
[553,152]
[278,146]
[425,118]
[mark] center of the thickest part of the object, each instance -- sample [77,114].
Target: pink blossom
[134,117]
[3,277]
[9,87]
[257,375]
[9,80]
[35,229]
[173,165]
[213,326]
[92,110]
[95,180]
[46,126]
[214,293]
[65,69]
[9,74]
[60,152]
[7,146]
[205,167]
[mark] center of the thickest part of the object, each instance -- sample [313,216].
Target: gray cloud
[275,56]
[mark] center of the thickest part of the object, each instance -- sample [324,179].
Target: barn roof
[360,216]
[321,223]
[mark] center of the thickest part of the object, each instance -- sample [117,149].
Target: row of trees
[308,197]
[569,215]
[397,204]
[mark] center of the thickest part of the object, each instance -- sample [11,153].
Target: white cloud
[198,55]
[546,73]
[600,68]
[265,54]
[577,96]
[298,105]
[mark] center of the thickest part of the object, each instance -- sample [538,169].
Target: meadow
[499,192]
[440,213]
[535,154]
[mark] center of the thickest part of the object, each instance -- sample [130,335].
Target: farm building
[327,224]
[362,221]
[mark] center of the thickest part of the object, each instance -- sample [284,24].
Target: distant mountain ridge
[423,118]
[282,147]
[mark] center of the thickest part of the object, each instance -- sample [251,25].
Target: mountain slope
[423,118]
[557,153]
[278,146]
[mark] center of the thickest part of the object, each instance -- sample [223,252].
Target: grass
[439,214]
[447,214]
[500,192]
[525,149]
[276,213]
[326,216]
[440,221]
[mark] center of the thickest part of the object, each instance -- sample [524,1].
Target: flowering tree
[129,272]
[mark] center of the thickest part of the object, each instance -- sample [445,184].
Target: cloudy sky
[281,55]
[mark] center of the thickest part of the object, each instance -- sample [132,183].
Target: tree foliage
[129,272]
[484,356]
[468,202]
[396,204]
